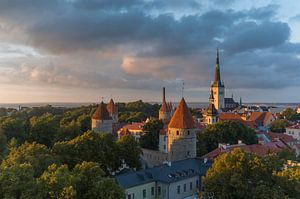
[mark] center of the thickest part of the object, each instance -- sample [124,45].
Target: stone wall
[181,144]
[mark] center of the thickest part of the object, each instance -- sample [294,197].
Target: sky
[93,50]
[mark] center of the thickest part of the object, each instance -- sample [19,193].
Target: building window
[133,196]
[197,183]
[152,191]
[188,132]
[158,190]
[144,193]
[191,185]
[178,189]
[164,146]
[188,153]
[165,138]
[177,132]
[129,196]
[184,188]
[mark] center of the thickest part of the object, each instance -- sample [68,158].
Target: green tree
[3,144]
[242,175]
[150,136]
[130,151]
[14,128]
[57,182]
[85,181]
[91,147]
[93,185]
[289,180]
[290,114]
[224,132]
[37,155]
[44,128]
[18,182]
[278,126]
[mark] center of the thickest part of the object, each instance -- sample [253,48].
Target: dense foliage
[278,126]
[290,114]
[243,175]
[50,152]
[136,111]
[224,132]
[150,137]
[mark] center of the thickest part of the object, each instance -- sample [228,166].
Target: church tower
[217,87]
[182,134]
[165,109]
[211,114]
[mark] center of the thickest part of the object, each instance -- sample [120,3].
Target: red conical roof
[112,109]
[182,118]
[101,112]
[164,106]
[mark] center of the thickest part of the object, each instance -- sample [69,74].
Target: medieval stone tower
[181,134]
[101,121]
[218,87]
[211,114]
[112,110]
[165,110]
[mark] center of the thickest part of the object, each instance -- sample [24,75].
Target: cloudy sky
[85,50]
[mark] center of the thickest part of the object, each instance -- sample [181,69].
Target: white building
[293,131]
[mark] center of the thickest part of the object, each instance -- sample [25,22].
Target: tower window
[188,132]
[188,153]
[177,132]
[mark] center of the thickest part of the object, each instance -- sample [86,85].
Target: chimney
[164,94]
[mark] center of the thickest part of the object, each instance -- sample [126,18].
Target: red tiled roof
[134,126]
[258,149]
[182,118]
[164,107]
[259,117]
[112,109]
[101,112]
[296,126]
[235,117]
[285,138]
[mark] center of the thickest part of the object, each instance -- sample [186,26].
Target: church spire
[217,71]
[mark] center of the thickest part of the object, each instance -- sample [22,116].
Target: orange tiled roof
[182,118]
[235,117]
[112,109]
[164,107]
[101,113]
[259,117]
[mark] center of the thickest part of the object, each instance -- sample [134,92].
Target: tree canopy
[150,136]
[224,132]
[243,175]
[278,126]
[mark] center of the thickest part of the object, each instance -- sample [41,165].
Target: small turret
[164,111]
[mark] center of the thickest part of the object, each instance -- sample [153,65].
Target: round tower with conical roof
[101,120]
[182,134]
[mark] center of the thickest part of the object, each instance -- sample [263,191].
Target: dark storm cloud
[156,45]
[250,35]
